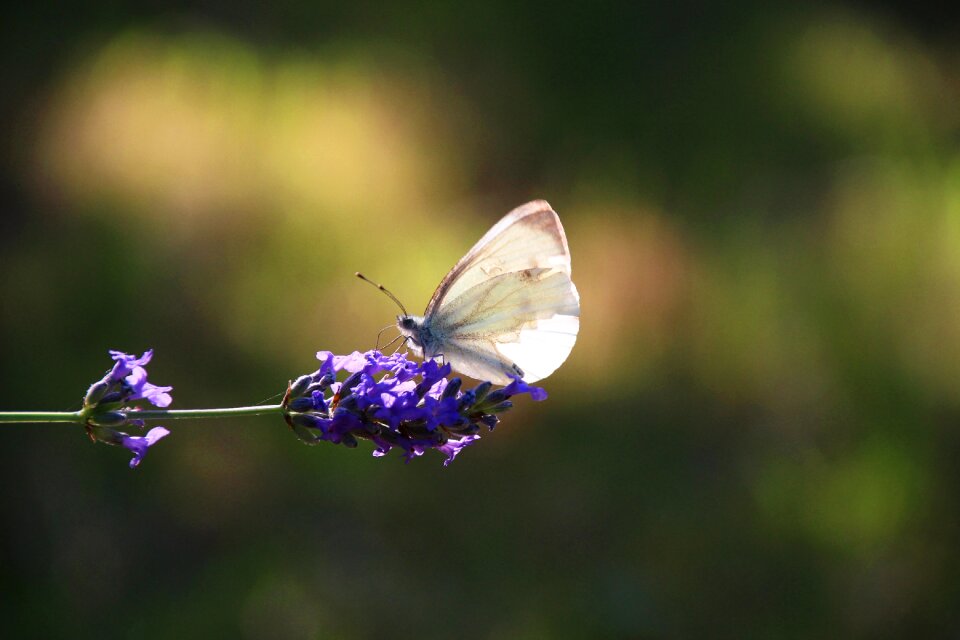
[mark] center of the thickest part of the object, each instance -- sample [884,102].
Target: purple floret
[129,377]
[139,444]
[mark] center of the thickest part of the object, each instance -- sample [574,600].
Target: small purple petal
[125,363]
[454,447]
[519,386]
[158,396]
[143,390]
[326,362]
[352,363]
[139,444]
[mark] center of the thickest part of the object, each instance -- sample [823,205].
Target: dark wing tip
[534,206]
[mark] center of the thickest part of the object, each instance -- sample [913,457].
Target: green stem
[232,412]
[150,414]
[41,416]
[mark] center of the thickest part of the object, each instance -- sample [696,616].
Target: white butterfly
[508,308]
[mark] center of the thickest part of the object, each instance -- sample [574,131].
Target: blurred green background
[756,435]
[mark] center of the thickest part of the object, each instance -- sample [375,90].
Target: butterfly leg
[402,344]
[377,347]
[517,370]
[391,343]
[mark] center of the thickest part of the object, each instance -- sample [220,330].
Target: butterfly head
[412,329]
[415,333]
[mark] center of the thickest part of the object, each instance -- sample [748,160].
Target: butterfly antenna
[385,290]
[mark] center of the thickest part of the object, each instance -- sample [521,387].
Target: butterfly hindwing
[513,328]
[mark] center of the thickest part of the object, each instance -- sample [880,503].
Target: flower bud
[109,418]
[299,386]
[105,435]
[481,390]
[299,405]
[111,398]
[466,400]
[489,420]
[305,420]
[348,384]
[323,382]
[96,393]
[348,404]
[495,397]
[452,387]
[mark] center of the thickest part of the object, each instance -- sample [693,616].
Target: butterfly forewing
[528,237]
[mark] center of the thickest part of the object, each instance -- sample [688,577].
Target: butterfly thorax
[419,336]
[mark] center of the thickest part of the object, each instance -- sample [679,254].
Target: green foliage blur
[756,435]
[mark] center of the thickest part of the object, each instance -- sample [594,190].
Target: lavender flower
[139,444]
[131,372]
[108,404]
[395,403]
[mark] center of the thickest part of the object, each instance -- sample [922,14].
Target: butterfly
[508,308]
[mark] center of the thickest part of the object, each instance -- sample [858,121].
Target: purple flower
[139,444]
[109,404]
[125,364]
[395,403]
[127,382]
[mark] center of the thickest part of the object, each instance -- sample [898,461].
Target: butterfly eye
[407,322]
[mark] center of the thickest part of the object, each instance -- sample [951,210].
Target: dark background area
[755,436]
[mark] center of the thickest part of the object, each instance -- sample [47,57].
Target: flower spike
[395,403]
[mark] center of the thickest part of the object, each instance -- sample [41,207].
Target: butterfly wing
[509,307]
[529,236]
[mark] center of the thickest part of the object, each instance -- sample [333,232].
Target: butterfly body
[422,341]
[508,308]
